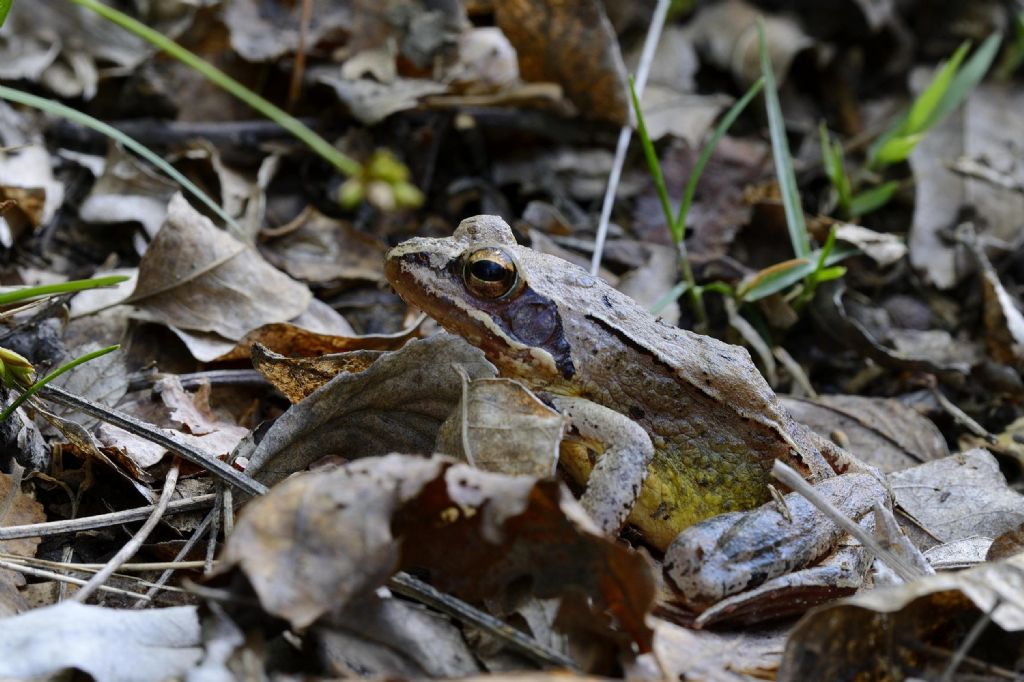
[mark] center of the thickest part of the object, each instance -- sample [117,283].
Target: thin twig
[133,545]
[643,69]
[407,585]
[41,530]
[791,479]
[211,544]
[50,575]
[142,566]
[247,378]
[218,468]
[196,536]
[299,69]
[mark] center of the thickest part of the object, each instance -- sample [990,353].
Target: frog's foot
[840,574]
[616,479]
[734,552]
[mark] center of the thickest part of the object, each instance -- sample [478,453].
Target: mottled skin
[715,424]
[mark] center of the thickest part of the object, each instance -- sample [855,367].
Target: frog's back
[716,425]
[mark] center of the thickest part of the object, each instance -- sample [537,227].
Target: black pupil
[488,270]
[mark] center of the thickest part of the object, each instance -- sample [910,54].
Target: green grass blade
[5,7]
[653,165]
[874,198]
[672,294]
[31,390]
[23,293]
[897,148]
[318,144]
[783,159]
[967,79]
[58,109]
[705,155]
[920,116]
[775,278]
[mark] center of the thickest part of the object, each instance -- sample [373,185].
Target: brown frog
[686,415]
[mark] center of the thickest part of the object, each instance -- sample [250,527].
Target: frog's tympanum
[714,424]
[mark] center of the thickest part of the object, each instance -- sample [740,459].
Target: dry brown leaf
[570,43]
[289,339]
[960,496]
[501,426]
[199,278]
[325,250]
[921,622]
[23,510]
[296,378]
[398,404]
[880,431]
[187,416]
[475,534]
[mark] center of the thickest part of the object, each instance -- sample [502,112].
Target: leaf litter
[370,554]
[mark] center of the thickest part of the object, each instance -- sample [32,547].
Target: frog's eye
[490,273]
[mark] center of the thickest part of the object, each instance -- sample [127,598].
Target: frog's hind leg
[616,479]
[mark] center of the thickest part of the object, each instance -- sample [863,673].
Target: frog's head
[480,284]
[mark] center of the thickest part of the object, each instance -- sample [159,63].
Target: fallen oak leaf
[477,534]
[196,277]
[397,404]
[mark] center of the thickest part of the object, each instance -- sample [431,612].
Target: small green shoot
[25,293]
[677,223]
[873,199]
[34,388]
[795,222]
[5,7]
[948,89]
[851,205]
[834,161]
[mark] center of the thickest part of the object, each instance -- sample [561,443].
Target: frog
[690,427]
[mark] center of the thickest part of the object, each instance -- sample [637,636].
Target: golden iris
[490,272]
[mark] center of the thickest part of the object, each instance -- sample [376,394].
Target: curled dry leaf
[474,533]
[398,404]
[960,496]
[199,278]
[318,325]
[296,378]
[921,622]
[882,432]
[570,43]
[501,426]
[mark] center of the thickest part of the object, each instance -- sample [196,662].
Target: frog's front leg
[616,479]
